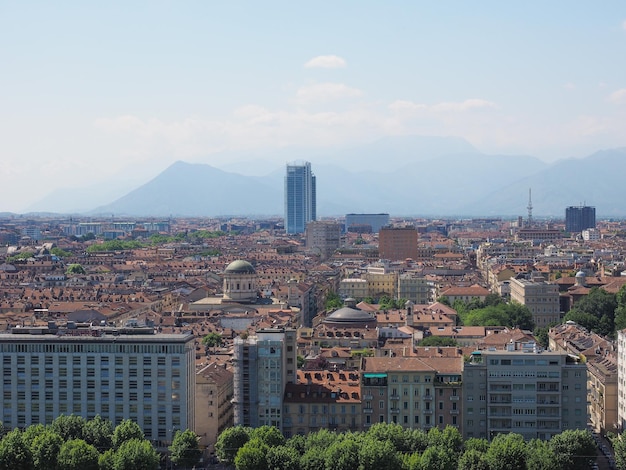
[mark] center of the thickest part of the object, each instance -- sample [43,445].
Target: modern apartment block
[263,365]
[530,392]
[300,197]
[541,298]
[129,373]
[360,221]
[397,243]
[323,238]
[579,218]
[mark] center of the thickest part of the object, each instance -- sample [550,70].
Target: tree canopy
[391,446]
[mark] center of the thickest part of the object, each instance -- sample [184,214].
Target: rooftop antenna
[530,208]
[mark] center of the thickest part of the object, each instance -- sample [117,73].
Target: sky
[112,93]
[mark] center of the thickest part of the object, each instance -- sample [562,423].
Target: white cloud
[323,92]
[570,86]
[443,107]
[326,62]
[618,96]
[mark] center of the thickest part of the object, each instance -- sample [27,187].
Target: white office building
[127,373]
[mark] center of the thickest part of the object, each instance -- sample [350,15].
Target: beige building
[414,288]
[602,393]
[214,409]
[353,288]
[541,298]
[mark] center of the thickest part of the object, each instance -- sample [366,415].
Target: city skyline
[222,83]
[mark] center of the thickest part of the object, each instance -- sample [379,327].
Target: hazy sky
[97,91]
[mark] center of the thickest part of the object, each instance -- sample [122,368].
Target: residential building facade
[541,298]
[263,365]
[117,374]
[530,392]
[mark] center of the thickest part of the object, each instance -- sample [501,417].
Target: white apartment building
[130,373]
[530,392]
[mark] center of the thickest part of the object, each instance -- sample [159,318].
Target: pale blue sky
[92,90]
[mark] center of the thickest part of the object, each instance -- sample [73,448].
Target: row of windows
[104,360]
[95,347]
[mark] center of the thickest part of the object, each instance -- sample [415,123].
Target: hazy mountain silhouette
[411,177]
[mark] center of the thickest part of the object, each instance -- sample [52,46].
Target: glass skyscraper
[299,197]
[579,218]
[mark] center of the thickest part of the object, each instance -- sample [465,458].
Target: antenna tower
[530,208]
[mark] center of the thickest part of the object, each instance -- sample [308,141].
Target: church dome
[349,316]
[240,267]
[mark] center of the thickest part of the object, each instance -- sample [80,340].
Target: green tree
[540,456]
[15,454]
[230,441]
[438,341]
[438,458]
[136,454]
[45,450]
[475,443]
[313,459]
[399,437]
[376,455]
[342,455]
[333,301]
[573,449]
[473,459]
[619,447]
[283,458]
[69,427]
[99,432]
[212,340]
[601,305]
[125,431]
[184,449]
[507,452]
[252,456]
[321,439]
[76,454]
[106,461]
[75,268]
[59,253]
[268,435]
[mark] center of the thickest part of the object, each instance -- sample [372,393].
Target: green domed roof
[240,267]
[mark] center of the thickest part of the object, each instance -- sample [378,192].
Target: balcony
[454,412]
[394,396]
[395,411]
[368,411]
[368,397]
[454,398]
[428,412]
[428,397]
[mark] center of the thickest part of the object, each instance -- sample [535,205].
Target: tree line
[73,443]
[392,447]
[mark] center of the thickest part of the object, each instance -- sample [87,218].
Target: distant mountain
[193,190]
[409,176]
[596,180]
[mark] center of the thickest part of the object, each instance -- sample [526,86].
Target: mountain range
[411,176]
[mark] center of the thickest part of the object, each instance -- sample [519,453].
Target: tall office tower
[117,373]
[579,218]
[397,243]
[300,206]
[263,365]
[323,237]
